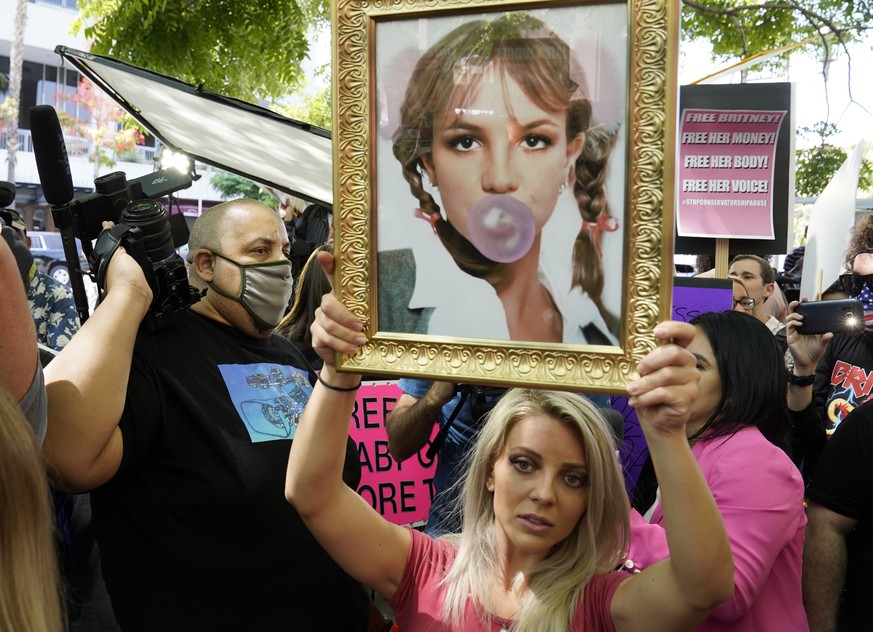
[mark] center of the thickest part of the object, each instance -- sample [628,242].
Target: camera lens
[151,218]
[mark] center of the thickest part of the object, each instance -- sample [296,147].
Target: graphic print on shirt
[268,397]
[850,387]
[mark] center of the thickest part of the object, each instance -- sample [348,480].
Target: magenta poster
[726,172]
[401,492]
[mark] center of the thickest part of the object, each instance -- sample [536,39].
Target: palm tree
[16,62]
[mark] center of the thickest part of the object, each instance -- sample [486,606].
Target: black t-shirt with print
[194,530]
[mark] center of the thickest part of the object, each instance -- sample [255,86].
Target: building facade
[46,80]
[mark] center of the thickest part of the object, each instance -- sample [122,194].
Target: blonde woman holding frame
[545,520]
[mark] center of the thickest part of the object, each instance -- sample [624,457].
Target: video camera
[143,226]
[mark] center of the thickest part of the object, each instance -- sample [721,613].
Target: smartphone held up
[838,316]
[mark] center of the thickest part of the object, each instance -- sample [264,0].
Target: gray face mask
[264,290]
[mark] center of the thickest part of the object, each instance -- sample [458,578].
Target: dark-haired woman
[312,284]
[739,432]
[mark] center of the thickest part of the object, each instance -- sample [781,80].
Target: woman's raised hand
[806,350]
[680,592]
[667,386]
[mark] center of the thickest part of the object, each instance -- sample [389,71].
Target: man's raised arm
[87,383]
[410,424]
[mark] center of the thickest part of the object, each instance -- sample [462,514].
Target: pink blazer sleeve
[760,495]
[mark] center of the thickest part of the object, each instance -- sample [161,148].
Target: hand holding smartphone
[839,316]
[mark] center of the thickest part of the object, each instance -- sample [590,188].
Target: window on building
[42,84]
[65,4]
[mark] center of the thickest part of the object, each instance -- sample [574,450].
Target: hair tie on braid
[605,223]
[431,218]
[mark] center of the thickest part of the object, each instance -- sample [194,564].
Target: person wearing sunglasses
[832,374]
[835,574]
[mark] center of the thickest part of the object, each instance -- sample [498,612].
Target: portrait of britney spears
[502,229]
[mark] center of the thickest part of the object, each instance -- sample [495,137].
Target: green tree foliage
[249,49]
[314,109]
[740,28]
[232,186]
[817,165]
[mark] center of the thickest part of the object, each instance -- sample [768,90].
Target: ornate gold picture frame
[503,186]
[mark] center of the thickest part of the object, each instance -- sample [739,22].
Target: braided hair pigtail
[466,255]
[409,144]
[590,194]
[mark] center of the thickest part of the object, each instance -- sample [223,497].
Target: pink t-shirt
[418,602]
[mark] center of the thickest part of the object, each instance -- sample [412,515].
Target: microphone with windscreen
[50,151]
[53,166]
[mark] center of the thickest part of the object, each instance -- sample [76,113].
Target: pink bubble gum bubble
[501,227]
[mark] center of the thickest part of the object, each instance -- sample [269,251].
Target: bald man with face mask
[183,434]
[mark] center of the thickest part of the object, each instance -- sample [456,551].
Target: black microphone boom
[53,166]
[50,151]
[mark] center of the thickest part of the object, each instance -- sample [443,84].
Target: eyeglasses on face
[853,283]
[747,303]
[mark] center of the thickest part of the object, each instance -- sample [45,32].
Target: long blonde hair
[30,593]
[597,544]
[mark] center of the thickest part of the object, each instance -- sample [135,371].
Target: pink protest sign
[726,165]
[401,492]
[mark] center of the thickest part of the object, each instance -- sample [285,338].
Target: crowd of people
[215,458]
[185,460]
